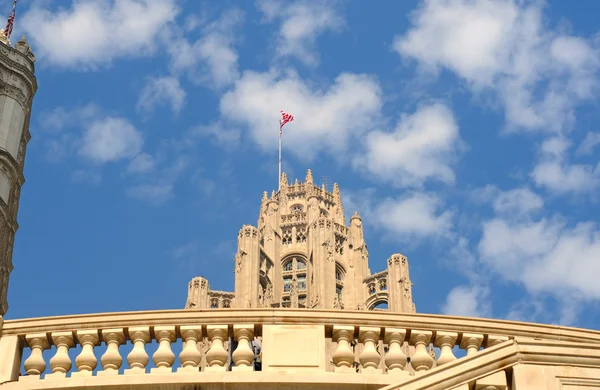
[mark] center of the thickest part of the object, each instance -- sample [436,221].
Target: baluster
[111,360]
[35,364]
[343,357]
[216,357]
[369,358]
[61,362]
[163,358]
[471,342]
[138,358]
[86,361]
[395,359]
[421,361]
[243,356]
[445,341]
[190,356]
[495,340]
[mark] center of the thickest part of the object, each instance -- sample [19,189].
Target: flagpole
[279,177]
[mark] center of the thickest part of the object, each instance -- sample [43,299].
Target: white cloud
[59,118]
[468,301]
[153,193]
[86,176]
[422,146]
[589,143]
[159,187]
[142,163]
[414,216]
[325,117]
[545,254]
[212,59]
[503,45]
[301,23]
[92,33]
[517,202]
[110,139]
[162,91]
[556,173]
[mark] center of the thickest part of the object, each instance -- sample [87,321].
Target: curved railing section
[187,345]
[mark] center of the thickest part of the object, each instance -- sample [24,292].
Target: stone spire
[23,47]
[337,197]
[284,181]
[309,177]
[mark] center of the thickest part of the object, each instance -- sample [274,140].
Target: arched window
[339,273]
[294,269]
[339,280]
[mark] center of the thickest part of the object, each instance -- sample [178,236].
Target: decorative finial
[272,194]
[284,180]
[355,215]
[296,182]
[265,197]
[336,190]
[309,177]
[23,47]
[323,187]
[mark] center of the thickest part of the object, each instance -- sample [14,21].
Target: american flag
[9,25]
[285,118]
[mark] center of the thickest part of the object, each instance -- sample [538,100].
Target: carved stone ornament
[328,250]
[239,258]
[316,301]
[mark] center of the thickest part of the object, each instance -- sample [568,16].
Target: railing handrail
[427,322]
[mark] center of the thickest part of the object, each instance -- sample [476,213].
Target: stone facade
[304,255]
[18,86]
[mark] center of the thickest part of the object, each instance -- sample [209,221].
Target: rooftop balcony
[323,349]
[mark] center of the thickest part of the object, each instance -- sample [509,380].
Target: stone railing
[294,218]
[189,346]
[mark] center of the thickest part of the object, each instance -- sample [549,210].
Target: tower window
[287,284]
[300,265]
[302,282]
[289,266]
[338,292]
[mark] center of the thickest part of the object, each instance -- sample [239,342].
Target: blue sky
[464,132]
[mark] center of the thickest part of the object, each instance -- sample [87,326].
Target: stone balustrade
[294,218]
[385,348]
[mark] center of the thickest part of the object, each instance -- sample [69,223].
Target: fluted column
[164,357]
[243,356]
[138,357]
[86,361]
[421,361]
[216,357]
[369,357]
[395,359]
[343,357]
[471,342]
[111,360]
[35,364]
[445,341]
[190,356]
[61,362]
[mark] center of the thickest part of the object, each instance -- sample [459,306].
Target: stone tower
[303,255]
[18,85]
